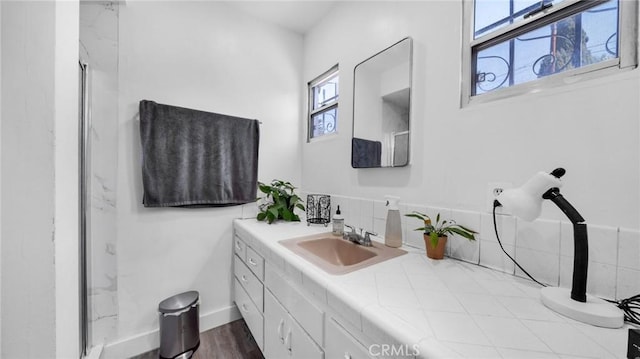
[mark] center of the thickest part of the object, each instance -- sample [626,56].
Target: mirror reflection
[382,108]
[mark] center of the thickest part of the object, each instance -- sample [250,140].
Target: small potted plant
[279,203]
[435,235]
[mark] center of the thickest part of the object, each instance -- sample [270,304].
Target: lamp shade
[526,201]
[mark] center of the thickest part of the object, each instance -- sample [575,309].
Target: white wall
[39,180]
[66,190]
[207,56]
[28,303]
[589,127]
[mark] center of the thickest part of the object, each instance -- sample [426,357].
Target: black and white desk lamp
[525,202]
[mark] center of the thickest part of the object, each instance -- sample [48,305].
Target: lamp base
[594,311]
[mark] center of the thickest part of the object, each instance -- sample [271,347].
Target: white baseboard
[144,342]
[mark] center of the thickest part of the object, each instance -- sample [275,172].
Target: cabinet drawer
[250,313]
[340,344]
[310,317]
[249,282]
[255,262]
[239,247]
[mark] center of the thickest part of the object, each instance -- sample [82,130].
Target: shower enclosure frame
[84,118]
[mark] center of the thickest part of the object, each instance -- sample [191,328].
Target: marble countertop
[449,308]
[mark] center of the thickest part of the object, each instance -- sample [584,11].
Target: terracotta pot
[438,251]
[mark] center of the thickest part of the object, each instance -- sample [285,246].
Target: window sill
[552,83]
[329,137]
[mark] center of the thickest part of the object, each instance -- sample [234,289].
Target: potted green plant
[435,235]
[279,202]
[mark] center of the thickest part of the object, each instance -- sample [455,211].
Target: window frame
[627,48]
[334,71]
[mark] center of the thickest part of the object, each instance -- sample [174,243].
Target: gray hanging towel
[194,158]
[365,153]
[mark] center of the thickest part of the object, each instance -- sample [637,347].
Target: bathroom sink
[335,255]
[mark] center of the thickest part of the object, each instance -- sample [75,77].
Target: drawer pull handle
[252,262]
[238,246]
[287,341]
[347,355]
[244,278]
[280,326]
[244,307]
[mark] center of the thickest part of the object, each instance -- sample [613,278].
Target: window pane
[324,122]
[491,15]
[325,92]
[580,40]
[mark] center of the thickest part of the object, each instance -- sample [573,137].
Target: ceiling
[299,16]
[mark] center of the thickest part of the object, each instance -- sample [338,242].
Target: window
[323,104]
[515,46]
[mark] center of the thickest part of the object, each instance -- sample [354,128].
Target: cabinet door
[306,313]
[283,337]
[275,328]
[340,344]
[300,345]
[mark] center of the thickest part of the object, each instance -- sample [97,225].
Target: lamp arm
[554,195]
[580,244]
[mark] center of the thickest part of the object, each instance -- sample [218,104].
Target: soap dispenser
[338,223]
[393,232]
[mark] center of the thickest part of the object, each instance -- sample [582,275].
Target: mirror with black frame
[382,108]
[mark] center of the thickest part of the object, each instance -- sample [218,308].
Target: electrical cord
[495,227]
[629,306]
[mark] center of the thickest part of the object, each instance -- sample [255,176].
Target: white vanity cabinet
[248,270]
[285,319]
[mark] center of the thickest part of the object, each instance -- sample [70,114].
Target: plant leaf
[417,215]
[299,205]
[287,215]
[433,239]
[467,229]
[261,216]
[462,232]
[270,217]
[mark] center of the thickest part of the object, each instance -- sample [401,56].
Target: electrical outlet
[493,190]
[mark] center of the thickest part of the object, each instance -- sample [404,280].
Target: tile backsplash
[543,247]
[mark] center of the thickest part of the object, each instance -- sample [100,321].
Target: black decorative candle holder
[318,209]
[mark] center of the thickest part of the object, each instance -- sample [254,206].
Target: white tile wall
[411,236]
[628,283]
[491,254]
[629,254]
[460,247]
[543,247]
[538,250]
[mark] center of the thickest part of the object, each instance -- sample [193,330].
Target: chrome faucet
[358,238]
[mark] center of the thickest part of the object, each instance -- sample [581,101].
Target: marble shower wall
[99,47]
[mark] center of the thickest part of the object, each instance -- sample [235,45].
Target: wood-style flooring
[229,341]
